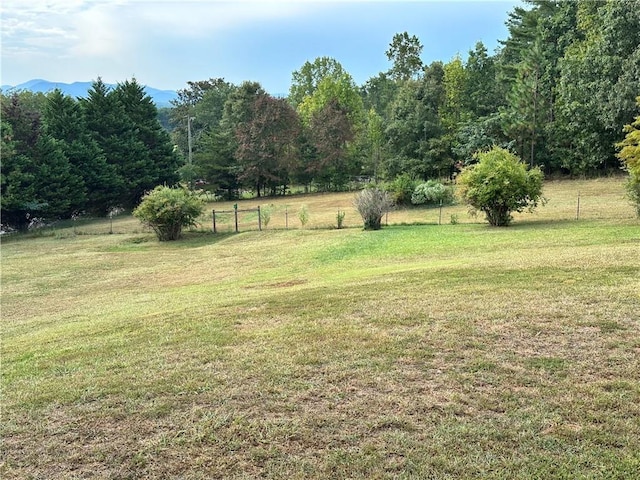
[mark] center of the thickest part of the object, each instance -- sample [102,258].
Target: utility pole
[189,120]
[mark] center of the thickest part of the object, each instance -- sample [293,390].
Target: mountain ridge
[162,98]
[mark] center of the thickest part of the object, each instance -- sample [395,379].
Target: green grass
[424,351]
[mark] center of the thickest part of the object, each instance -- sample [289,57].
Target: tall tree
[341,90]
[598,83]
[124,124]
[379,93]
[483,92]
[331,131]
[203,102]
[37,179]
[404,51]
[416,141]
[528,105]
[305,81]
[140,110]
[267,143]
[64,121]
[455,109]
[375,142]
[215,161]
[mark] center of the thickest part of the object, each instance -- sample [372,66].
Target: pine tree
[64,121]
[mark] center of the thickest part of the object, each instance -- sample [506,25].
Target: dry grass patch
[458,351]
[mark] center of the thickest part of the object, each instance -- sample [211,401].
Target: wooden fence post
[214,221]
[235,210]
[259,219]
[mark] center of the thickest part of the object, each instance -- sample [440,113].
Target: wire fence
[602,199]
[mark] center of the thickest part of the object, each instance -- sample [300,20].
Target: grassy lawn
[423,351]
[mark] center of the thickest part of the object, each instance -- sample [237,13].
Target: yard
[419,351]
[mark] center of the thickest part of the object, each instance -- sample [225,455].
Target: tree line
[62,156]
[557,93]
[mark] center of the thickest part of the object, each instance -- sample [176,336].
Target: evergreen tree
[161,164]
[64,121]
[124,124]
[37,178]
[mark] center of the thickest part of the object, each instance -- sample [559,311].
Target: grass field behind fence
[419,351]
[598,199]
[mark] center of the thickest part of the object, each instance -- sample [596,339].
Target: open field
[419,351]
[599,199]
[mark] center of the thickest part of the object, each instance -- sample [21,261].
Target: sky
[166,43]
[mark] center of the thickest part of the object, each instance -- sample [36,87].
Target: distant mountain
[161,98]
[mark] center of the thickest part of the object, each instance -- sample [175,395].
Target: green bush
[167,210]
[372,204]
[500,184]
[432,192]
[265,214]
[303,215]
[401,189]
[633,193]
[630,156]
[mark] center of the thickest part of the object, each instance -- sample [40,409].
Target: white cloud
[99,32]
[205,17]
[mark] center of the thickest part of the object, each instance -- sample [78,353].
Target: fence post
[578,208]
[214,221]
[259,219]
[440,217]
[235,210]
[286,218]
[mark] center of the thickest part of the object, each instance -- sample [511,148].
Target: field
[420,351]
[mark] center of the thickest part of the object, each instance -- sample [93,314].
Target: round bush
[500,184]
[167,210]
[432,192]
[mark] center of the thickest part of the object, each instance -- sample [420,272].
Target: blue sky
[165,43]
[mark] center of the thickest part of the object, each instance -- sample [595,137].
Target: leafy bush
[432,192]
[500,184]
[401,189]
[167,210]
[633,193]
[303,215]
[265,214]
[630,156]
[372,204]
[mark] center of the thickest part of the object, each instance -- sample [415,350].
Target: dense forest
[557,92]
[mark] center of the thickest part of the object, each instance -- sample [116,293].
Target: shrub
[633,193]
[265,214]
[167,210]
[630,155]
[500,184]
[372,204]
[401,189]
[432,192]
[303,215]
[340,218]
